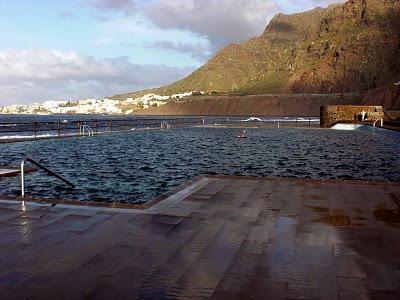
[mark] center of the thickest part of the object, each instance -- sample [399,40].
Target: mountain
[352,47]
[282,105]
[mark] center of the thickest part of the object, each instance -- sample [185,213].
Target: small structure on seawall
[333,114]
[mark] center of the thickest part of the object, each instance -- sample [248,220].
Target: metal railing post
[379,120]
[35,129]
[48,171]
[58,128]
[23,178]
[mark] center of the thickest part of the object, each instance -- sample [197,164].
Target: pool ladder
[381,120]
[165,125]
[86,128]
[47,170]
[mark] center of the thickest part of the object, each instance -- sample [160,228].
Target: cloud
[127,6]
[302,5]
[67,15]
[39,75]
[321,3]
[220,21]
[196,50]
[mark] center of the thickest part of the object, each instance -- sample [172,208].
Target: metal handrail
[165,124]
[87,128]
[48,171]
[377,122]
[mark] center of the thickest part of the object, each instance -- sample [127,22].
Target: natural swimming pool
[135,167]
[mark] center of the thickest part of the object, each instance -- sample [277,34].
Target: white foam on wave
[340,126]
[15,137]
[284,119]
[8,125]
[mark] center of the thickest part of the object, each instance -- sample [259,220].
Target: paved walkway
[222,238]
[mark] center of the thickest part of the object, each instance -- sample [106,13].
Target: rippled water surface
[134,167]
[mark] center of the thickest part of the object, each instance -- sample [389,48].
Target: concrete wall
[332,114]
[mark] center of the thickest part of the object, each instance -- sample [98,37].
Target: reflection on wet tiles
[334,220]
[389,216]
[318,209]
[250,240]
[350,267]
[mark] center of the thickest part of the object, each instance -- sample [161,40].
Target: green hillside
[351,47]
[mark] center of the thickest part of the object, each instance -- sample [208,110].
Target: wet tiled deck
[223,238]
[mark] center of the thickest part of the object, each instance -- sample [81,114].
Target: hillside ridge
[350,47]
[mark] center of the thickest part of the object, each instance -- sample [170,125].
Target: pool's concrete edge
[173,196]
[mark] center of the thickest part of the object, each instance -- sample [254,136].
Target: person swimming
[242,135]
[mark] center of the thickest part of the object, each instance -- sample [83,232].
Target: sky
[74,49]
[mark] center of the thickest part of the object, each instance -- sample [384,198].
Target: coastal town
[95,106]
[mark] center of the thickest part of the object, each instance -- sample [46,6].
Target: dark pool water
[137,166]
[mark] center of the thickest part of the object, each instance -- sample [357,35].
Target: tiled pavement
[223,238]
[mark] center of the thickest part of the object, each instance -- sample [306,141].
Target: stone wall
[332,114]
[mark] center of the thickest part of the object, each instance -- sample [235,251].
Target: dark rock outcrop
[350,47]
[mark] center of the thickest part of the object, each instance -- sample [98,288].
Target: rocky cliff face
[352,47]
[291,105]
[357,48]
[388,96]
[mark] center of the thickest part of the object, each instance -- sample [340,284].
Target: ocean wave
[8,125]
[15,137]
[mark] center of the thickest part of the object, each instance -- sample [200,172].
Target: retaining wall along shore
[332,114]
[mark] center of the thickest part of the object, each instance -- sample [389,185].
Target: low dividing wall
[332,114]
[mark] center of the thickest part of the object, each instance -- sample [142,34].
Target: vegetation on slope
[351,47]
